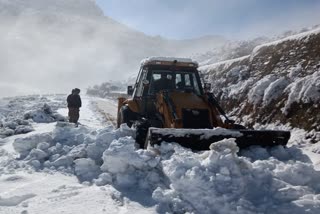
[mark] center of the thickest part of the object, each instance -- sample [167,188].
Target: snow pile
[17,126]
[170,178]
[130,167]
[32,144]
[237,184]
[19,114]
[175,179]
[44,115]
[69,149]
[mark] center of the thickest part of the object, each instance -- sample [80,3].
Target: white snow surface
[205,133]
[96,168]
[168,59]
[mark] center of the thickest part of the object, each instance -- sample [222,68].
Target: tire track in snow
[108,109]
[15,200]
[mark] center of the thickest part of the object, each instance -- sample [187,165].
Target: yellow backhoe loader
[168,103]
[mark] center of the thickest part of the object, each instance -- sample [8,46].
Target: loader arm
[200,138]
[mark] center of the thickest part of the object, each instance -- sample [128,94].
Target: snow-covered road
[93,111]
[95,168]
[26,190]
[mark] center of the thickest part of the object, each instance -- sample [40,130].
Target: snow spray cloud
[43,53]
[51,47]
[50,51]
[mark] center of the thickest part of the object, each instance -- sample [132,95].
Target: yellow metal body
[132,104]
[180,100]
[185,100]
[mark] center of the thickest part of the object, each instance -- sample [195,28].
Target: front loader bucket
[201,139]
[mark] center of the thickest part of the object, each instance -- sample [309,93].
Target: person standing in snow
[74,104]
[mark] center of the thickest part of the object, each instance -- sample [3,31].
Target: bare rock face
[278,82]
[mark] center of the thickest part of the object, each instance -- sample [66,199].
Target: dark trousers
[73,115]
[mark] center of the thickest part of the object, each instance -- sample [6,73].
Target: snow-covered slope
[278,82]
[97,169]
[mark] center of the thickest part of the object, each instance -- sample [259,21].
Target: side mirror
[130,90]
[207,87]
[145,82]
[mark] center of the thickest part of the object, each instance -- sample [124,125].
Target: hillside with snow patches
[95,168]
[279,82]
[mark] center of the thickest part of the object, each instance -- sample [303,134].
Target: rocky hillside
[279,82]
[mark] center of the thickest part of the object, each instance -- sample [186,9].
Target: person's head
[76,91]
[163,76]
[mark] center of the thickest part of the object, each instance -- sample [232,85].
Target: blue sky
[179,19]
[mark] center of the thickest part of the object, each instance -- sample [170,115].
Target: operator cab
[164,74]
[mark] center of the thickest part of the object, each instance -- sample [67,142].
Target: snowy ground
[95,168]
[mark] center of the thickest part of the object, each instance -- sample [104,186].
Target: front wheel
[142,128]
[238,126]
[125,115]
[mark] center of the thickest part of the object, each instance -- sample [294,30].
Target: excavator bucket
[201,139]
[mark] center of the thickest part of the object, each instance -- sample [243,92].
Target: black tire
[142,128]
[238,126]
[126,116]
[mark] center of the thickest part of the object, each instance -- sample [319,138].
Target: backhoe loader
[168,103]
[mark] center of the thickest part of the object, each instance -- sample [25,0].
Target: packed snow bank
[70,149]
[19,114]
[44,115]
[175,179]
[14,127]
[169,178]
[237,184]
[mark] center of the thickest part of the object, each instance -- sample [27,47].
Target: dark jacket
[74,101]
[162,84]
